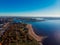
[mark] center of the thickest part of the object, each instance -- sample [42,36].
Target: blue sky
[29,7]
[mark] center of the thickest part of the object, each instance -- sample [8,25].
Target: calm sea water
[48,28]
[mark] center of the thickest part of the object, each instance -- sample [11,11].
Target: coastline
[34,35]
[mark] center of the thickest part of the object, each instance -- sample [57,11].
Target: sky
[30,8]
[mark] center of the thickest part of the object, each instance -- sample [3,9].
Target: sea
[49,28]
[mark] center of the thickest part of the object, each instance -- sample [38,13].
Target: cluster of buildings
[12,29]
[18,30]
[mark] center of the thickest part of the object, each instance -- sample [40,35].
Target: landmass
[12,33]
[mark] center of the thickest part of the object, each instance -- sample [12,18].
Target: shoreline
[34,35]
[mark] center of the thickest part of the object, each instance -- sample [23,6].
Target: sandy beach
[34,35]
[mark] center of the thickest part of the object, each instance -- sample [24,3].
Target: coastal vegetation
[17,34]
